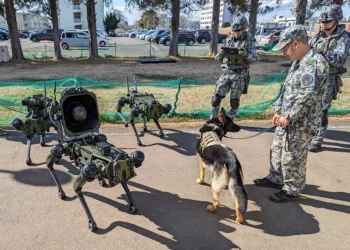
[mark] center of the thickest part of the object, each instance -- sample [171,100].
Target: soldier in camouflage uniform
[333,42]
[235,76]
[298,115]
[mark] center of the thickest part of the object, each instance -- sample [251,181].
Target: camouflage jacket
[245,42]
[301,96]
[335,47]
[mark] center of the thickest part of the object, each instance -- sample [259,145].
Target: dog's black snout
[235,128]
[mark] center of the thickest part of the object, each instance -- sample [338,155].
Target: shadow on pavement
[188,221]
[185,142]
[38,176]
[343,144]
[280,219]
[18,136]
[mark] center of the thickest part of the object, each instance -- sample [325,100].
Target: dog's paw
[200,181]
[239,220]
[211,208]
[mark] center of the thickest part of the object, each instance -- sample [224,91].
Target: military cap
[289,35]
[239,22]
[333,12]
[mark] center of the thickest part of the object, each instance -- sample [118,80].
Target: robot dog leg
[87,174]
[55,154]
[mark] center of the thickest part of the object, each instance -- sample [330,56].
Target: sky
[283,10]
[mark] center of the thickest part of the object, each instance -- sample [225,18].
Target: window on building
[77,15]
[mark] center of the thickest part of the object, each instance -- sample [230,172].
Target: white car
[101,40]
[102,33]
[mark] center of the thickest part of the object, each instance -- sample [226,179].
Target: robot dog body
[143,104]
[78,124]
[37,120]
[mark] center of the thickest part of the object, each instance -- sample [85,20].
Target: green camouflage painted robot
[40,110]
[78,123]
[143,104]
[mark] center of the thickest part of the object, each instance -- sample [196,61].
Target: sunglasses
[238,30]
[326,21]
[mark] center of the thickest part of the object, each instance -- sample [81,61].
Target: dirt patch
[115,70]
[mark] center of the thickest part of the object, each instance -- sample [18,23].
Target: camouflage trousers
[288,156]
[326,105]
[225,83]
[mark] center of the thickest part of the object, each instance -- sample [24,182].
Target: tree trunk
[16,47]
[301,12]
[213,49]
[175,19]
[56,34]
[91,16]
[253,15]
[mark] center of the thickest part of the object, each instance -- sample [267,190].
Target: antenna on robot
[135,83]
[45,89]
[127,83]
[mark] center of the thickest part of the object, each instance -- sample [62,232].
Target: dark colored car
[23,35]
[184,37]
[46,34]
[111,33]
[156,38]
[203,36]
[4,35]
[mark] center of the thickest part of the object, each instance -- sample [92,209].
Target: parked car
[262,29]
[45,34]
[203,36]
[23,35]
[26,32]
[4,35]
[157,37]
[269,39]
[121,33]
[149,35]
[183,37]
[141,33]
[74,39]
[143,36]
[102,33]
[135,33]
[111,33]
[101,40]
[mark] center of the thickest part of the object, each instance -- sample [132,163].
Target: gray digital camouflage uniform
[300,100]
[235,76]
[335,49]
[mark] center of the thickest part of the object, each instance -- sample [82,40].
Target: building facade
[73,15]
[290,21]
[164,21]
[28,21]
[207,14]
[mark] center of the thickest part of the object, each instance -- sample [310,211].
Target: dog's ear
[223,112]
[222,116]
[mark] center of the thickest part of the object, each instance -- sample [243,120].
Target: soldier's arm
[338,55]
[251,52]
[307,96]
[277,105]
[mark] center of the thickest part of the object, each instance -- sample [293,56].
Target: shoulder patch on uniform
[307,80]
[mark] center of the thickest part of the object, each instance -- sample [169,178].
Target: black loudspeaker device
[78,123]
[79,112]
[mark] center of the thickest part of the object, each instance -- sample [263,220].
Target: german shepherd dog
[222,162]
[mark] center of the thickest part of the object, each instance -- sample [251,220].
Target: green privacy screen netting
[189,98]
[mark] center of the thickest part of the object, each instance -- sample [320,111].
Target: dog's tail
[236,186]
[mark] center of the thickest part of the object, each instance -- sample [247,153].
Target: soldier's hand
[242,52]
[275,119]
[284,122]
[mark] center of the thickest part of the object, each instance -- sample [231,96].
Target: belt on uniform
[235,71]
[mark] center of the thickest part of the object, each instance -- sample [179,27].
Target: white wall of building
[207,14]
[74,15]
[28,21]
